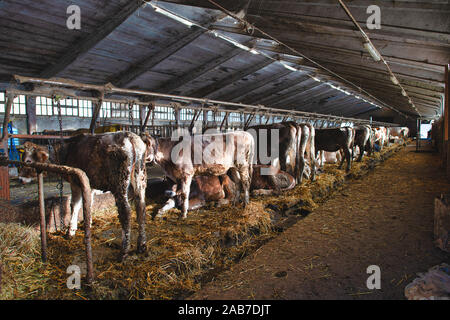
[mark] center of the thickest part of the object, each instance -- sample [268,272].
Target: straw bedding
[181,254]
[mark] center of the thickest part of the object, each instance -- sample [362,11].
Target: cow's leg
[236,178]
[185,190]
[346,151]
[123,207]
[140,212]
[244,173]
[301,161]
[348,158]
[361,154]
[76,203]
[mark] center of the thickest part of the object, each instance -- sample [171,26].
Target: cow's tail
[312,152]
[251,156]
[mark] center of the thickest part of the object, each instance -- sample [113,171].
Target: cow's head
[31,153]
[151,144]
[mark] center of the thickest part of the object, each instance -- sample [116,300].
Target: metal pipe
[109,88]
[82,180]
[42,217]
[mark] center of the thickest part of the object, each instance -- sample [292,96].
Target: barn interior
[158,66]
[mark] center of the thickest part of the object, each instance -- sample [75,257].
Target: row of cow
[116,163]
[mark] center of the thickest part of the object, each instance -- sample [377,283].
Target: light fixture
[288,66]
[315,79]
[373,52]
[172,16]
[394,80]
[403,92]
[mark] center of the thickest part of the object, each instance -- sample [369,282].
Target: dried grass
[22,272]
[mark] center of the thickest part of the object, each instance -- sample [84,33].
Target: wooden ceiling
[129,44]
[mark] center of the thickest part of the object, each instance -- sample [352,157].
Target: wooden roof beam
[215,86]
[77,49]
[235,95]
[173,84]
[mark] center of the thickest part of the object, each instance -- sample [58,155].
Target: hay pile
[181,254]
[22,274]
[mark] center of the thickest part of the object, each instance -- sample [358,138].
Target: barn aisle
[384,219]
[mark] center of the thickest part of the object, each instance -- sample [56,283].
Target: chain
[60,184]
[130,115]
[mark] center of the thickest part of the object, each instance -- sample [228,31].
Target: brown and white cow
[401,133]
[363,140]
[113,162]
[334,139]
[380,136]
[276,145]
[222,189]
[209,154]
[294,141]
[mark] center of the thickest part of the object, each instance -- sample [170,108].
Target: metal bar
[35,136]
[81,178]
[42,217]
[111,89]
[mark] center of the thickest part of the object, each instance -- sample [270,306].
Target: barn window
[235,117]
[84,108]
[69,107]
[105,110]
[44,106]
[2,102]
[19,105]
[186,114]
[164,113]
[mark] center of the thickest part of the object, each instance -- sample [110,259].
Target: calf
[113,162]
[363,140]
[222,189]
[336,139]
[228,151]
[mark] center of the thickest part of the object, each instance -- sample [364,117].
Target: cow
[363,140]
[209,154]
[113,162]
[284,153]
[305,149]
[222,189]
[401,133]
[335,139]
[380,137]
[294,140]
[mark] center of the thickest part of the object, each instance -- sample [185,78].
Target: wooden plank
[123,78]
[205,91]
[235,95]
[83,46]
[174,84]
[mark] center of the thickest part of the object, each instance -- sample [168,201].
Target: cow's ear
[42,156]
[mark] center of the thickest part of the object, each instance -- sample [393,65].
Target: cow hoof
[142,248]
[123,257]
[69,235]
